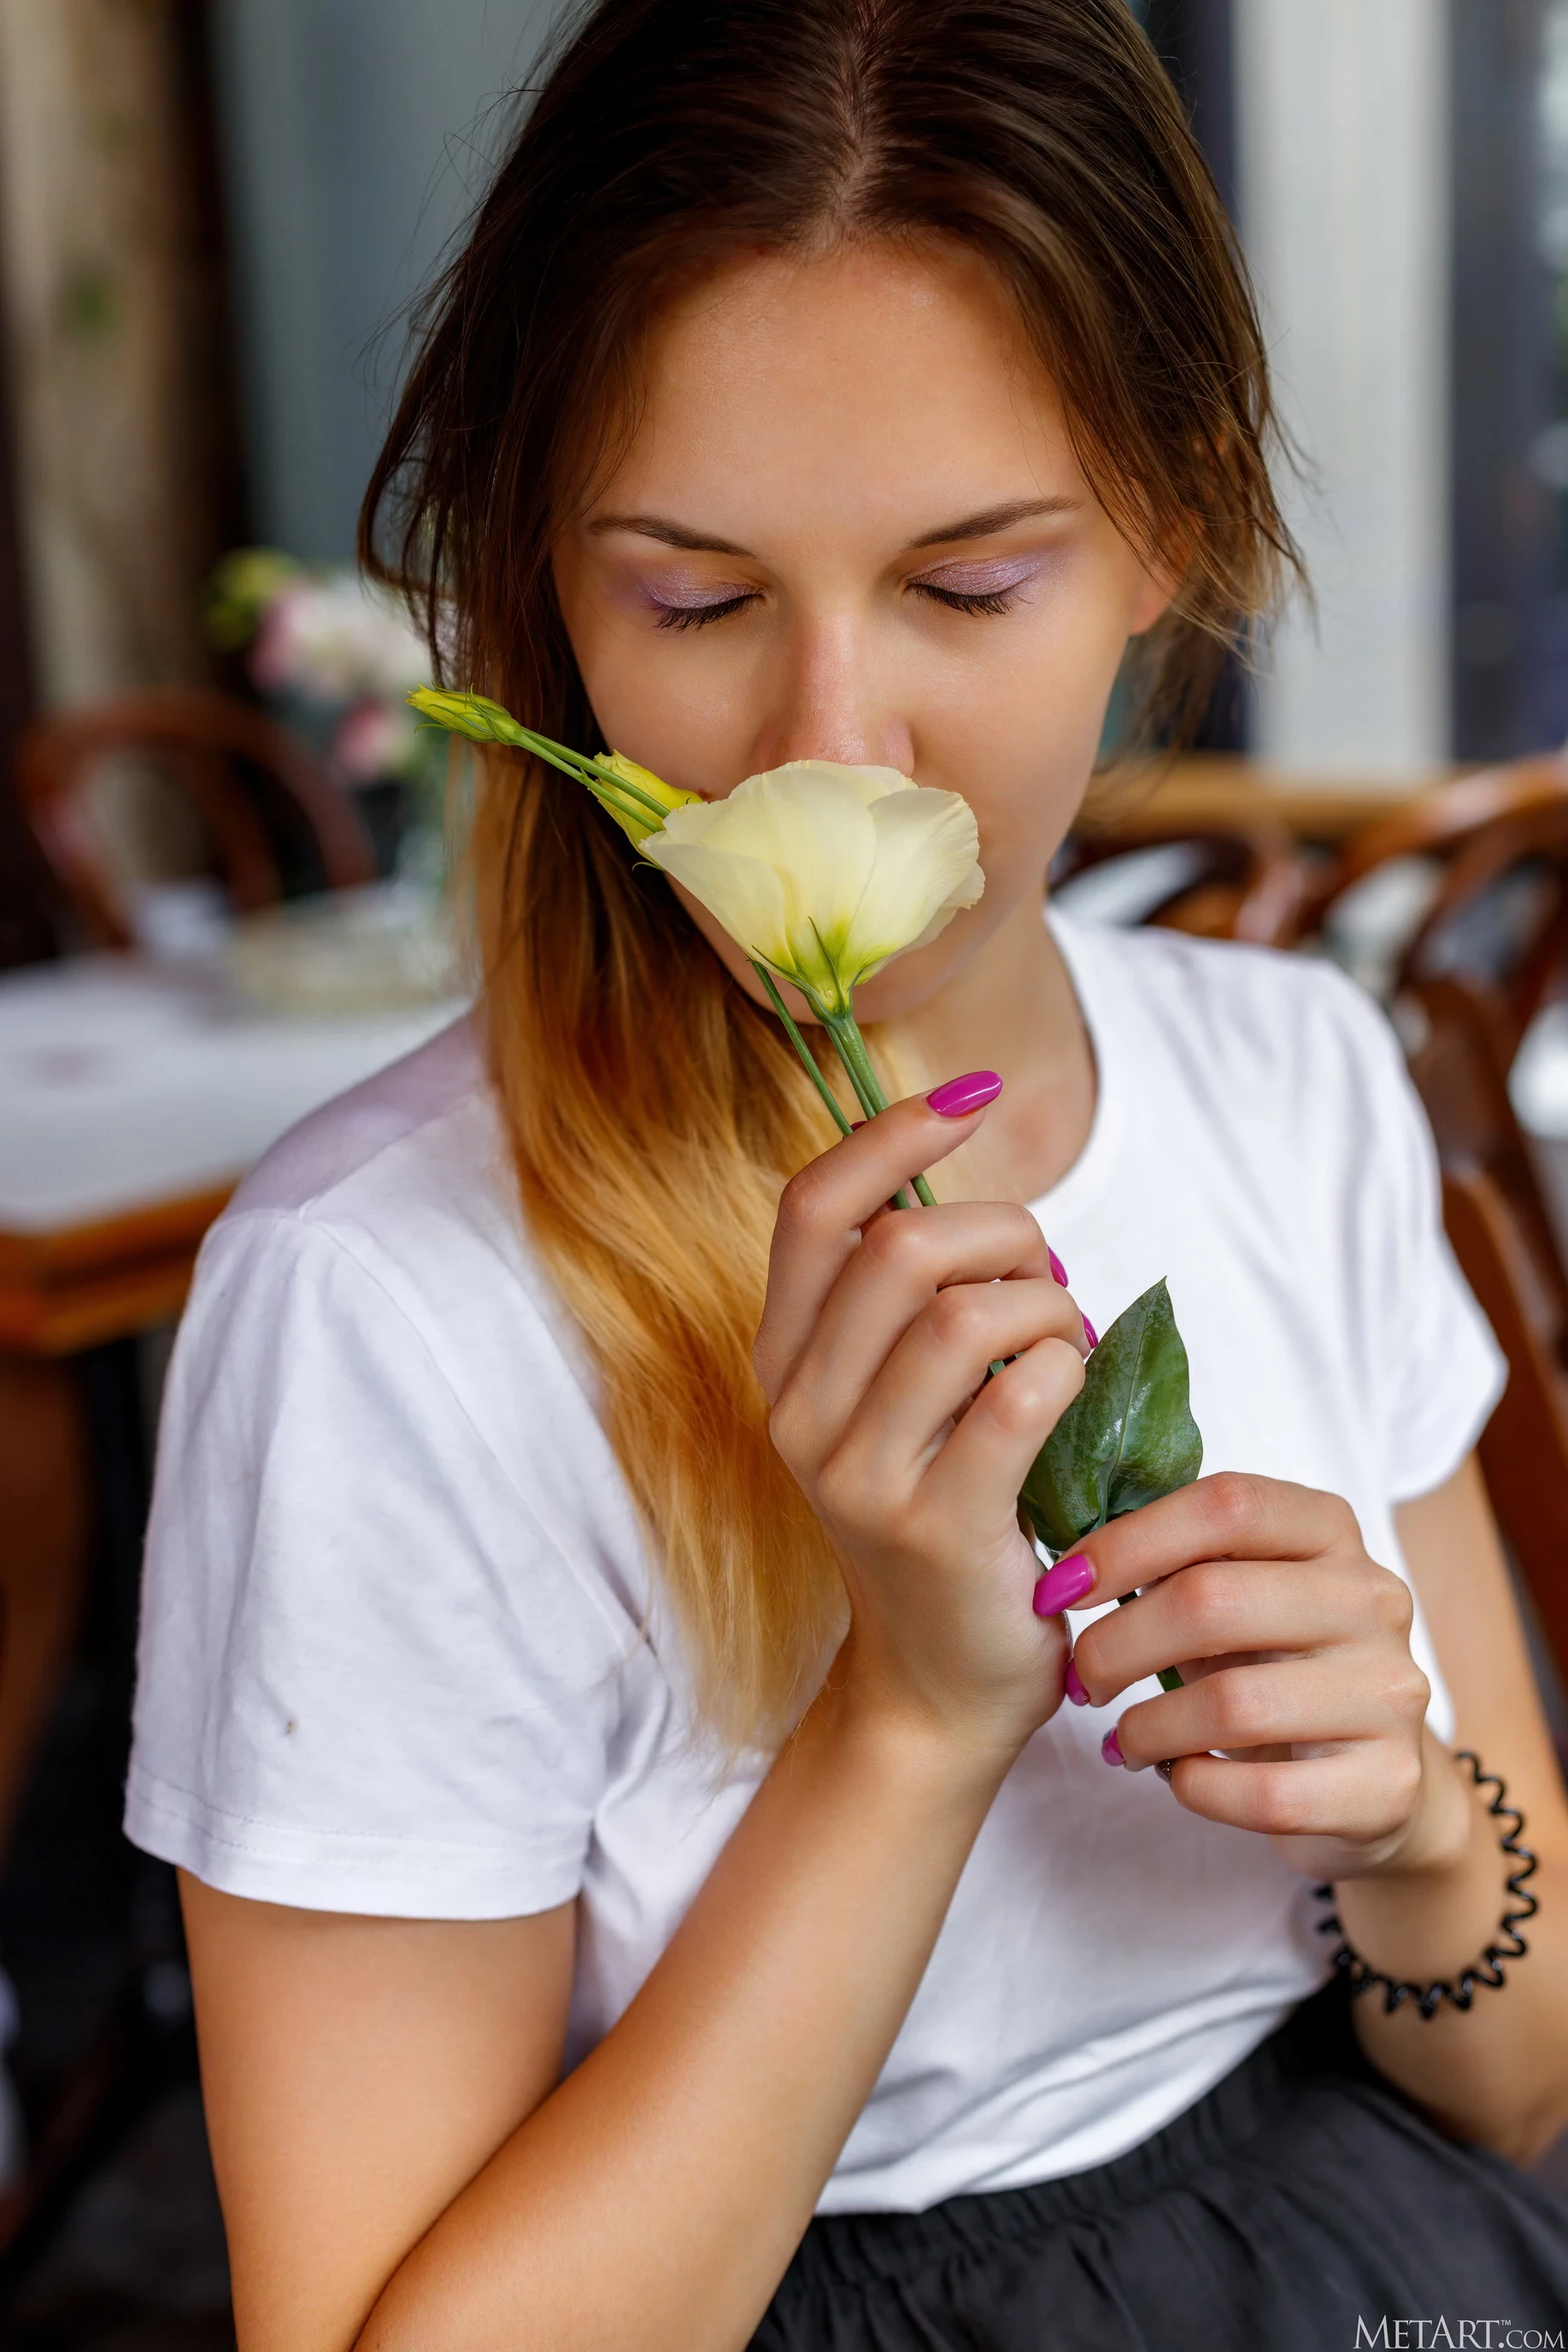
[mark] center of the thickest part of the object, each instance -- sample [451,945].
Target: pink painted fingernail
[1111,1748]
[1058,1272]
[1089,1333]
[1075,1690]
[1064,1585]
[956,1098]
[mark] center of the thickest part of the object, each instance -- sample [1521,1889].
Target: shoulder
[395,1596]
[402,1187]
[403,1114]
[368,1309]
[1258,1018]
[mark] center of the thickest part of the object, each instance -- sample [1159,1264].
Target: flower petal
[810,825]
[926,867]
[744,894]
[826,871]
[868,785]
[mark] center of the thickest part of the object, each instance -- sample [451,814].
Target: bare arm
[356,2075]
[1302,1717]
[367,2081]
[1499,2073]
[397,2168]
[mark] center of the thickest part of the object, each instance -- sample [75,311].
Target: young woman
[624,1795]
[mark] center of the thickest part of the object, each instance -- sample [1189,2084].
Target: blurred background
[223,851]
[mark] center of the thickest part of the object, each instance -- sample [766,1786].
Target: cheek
[655,697]
[1030,690]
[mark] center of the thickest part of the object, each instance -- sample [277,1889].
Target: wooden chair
[1457,1043]
[229,759]
[1504,1237]
[1524,1446]
[1488,835]
[1237,882]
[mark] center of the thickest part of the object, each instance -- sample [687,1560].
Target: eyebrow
[986,524]
[991,519]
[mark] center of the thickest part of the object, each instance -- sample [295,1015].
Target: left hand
[1302,1712]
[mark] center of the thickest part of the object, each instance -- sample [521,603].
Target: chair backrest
[1504,1236]
[1485,836]
[1457,1043]
[1240,882]
[1524,1446]
[203,742]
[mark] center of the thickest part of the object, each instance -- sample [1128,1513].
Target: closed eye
[978,599]
[698,616]
[990,586]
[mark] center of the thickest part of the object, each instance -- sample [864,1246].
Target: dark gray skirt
[1299,2206]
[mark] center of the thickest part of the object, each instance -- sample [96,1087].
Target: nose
[830,701]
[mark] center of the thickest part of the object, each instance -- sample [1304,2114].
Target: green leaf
[1127,1438]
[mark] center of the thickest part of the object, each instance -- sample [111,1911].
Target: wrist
[934,1753]
[1431,1909]
[1446,1827]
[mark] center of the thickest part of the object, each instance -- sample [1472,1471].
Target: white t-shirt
[401,1654]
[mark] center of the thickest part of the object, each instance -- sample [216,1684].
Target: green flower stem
[808,1059]
[603,783]
[850,1047]
[622,797]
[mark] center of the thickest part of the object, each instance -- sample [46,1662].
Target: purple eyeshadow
[676,597]
[994,577]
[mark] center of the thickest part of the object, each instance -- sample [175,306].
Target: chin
[900,989]
[912,981]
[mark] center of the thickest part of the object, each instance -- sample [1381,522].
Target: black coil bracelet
[1488,1971]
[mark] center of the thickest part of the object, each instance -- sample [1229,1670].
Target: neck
[1012,1010]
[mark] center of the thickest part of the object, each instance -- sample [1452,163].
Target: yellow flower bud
[636,820]
[474,715]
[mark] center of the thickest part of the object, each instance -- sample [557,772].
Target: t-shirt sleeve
[1436,1361]
[367,1680]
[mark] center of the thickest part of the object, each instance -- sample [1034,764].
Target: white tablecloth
[125,1083]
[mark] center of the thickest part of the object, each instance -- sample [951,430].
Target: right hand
[872,1353]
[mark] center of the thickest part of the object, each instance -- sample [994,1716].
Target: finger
[940,1364]
[990,1451]
[1230,1515]
[822,1209]
[1272,1704]
[1362,1792]
[1219,1607]
[906,1267]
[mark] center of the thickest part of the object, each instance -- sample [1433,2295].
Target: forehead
[853,379]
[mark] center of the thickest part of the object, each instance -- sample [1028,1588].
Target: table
[133,1096]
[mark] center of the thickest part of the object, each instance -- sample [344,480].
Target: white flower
[824,872]
[338,638]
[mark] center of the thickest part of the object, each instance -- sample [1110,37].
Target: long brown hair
[653,1113]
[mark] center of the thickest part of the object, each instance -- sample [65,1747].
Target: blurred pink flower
[336,639]
[375,739]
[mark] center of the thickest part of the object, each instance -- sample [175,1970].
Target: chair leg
[45,1507]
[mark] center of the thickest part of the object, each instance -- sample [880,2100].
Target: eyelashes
[972,601]
[991,587]
[698,616]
